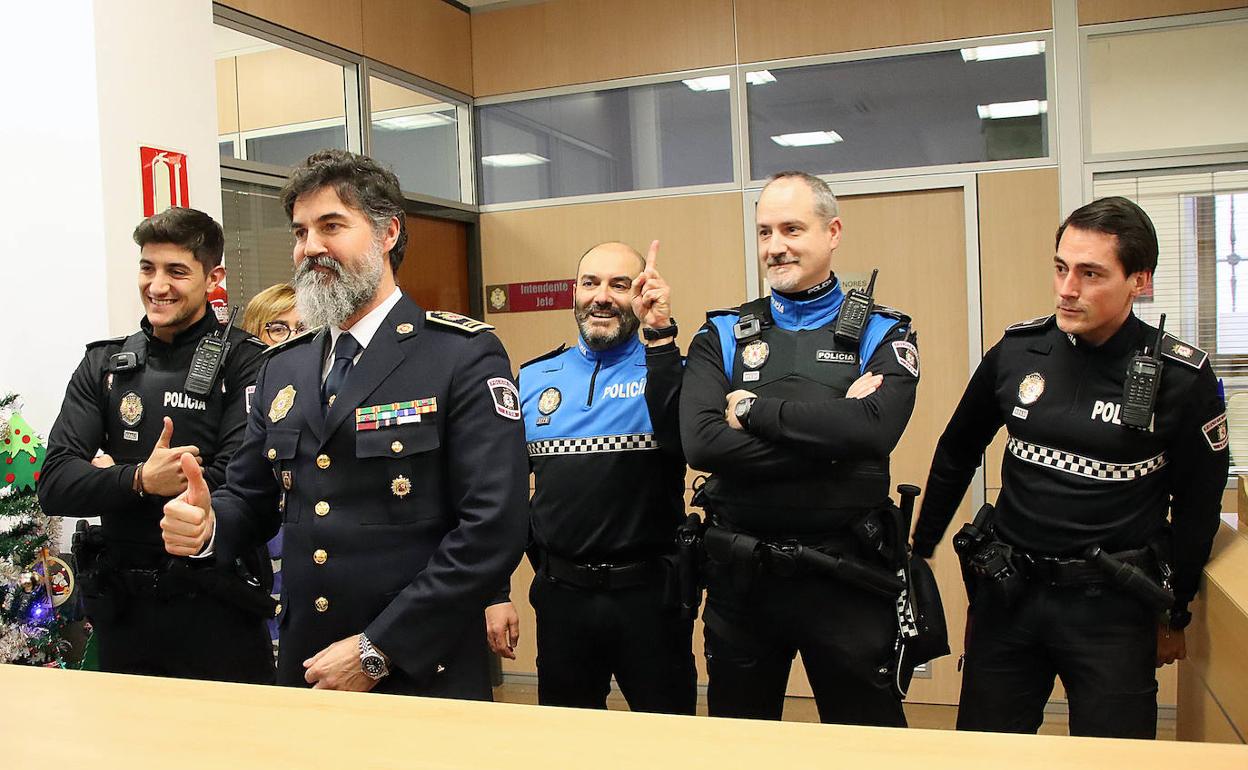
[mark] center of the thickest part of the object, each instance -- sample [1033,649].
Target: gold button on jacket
[319,556]
[322,604]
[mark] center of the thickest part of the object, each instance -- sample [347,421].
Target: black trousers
[586,636]
[845,636]
[191,636]
[1100,642]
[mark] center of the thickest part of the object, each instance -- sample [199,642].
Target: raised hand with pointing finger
[188,521]
[163,473]
[651,299]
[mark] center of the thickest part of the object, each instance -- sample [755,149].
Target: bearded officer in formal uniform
[796,425]
[129,399]
[1077,475]
[389,444]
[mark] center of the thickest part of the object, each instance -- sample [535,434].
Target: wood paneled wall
[1101,11]
[700,247]
[778,29]
[429,38]
[559,42]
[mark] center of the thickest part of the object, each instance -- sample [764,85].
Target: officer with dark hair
[1111,486]
[604,445]
[388,446]
[795,416]
[129,398]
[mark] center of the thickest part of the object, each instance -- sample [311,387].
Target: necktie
[344,359]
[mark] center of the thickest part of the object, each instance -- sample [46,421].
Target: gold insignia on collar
[404,328]
[282,403]
[401,486]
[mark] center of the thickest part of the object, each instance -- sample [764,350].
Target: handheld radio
[1139,392]
[206,363]
[855,310]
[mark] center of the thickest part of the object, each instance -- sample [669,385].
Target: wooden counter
[108,721]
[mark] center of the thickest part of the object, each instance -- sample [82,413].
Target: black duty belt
[1063,572]
[600,577]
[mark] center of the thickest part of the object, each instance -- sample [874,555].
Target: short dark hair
[189,229]
[361,182]
[1122,218]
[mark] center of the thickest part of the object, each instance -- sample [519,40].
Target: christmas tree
[33,582]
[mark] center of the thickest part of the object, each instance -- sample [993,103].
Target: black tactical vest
[803,365]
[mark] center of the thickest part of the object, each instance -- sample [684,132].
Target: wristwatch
[372,661]
[1177,620]
[654,335]
[742,411]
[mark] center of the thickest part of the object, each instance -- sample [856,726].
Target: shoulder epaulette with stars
[1177,350]
[456,321]
[1030,324]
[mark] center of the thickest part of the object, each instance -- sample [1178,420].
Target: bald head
[603,296]
[614,249]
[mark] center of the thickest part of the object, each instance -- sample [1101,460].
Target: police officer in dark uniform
[129,397]
[1084,468]
[604,444]
[796,424]
[388,444]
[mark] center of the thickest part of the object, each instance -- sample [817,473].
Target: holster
[922,634]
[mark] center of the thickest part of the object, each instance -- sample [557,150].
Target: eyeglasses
[279,331]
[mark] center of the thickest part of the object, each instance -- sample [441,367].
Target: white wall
[89,83]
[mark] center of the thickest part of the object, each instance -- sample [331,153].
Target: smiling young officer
[604,445]
[153,614]
[1076,475]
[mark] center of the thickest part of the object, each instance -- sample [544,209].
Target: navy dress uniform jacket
[400,527]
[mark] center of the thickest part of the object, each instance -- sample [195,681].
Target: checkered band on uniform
[1079,465]
[570,446]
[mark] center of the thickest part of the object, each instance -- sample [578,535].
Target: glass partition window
[417,136]
[258,242]
[614,140]
[276,105]
[1201,281]
[1163,89]
[987,103]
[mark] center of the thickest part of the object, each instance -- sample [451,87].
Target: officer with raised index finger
[603,438]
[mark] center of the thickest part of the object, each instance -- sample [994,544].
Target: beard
[599,340]
[790,280]
[329,299]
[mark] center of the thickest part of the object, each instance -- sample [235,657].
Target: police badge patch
[755,354]
[1216,433]
[506,397]
[131,409]
[1031,388]
[549,401]
[907,355]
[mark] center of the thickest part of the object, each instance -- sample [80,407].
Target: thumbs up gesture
[162,470]
[651,298]
[188,522]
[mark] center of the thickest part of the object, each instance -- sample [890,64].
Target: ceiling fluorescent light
[405,122]
[1024,109]
[709,83]
[759,78]
[807,138]
[513,160]
[1007,51]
